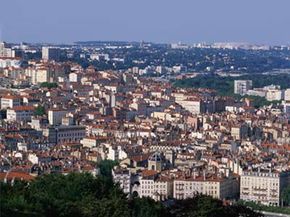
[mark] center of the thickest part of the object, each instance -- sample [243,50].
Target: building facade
[263,187]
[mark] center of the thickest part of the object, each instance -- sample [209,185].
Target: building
[50,53]
[275,95]
[10,101]
[239,132]
[156,186]
[193,106]
[89,142]
[242,86]
[123,178]
[55,116]
[41,75]
[9,62]
[287,95]
[287,108]
[20,113]
[264,187]
[65,134]
[217,187]
[155,162]
[5,51]
[74,77]
[257,92]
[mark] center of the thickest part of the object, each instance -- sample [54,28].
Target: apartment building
[242,86]
[217,187]
[55,116]
[20,113]
[10,101]
[50,53]
[65,134]
[123,178]
[156,186]
[263,187]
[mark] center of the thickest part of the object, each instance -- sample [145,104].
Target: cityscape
[138,128]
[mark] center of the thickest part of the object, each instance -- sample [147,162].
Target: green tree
[48,85]
[146,207]
[206,206]
[83,195]
[286,195]
[106,167]
[40,110]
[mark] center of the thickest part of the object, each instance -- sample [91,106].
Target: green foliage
[259,101]
[40,110]
[225,85]
[48,85]
[59,195]
[146,207]
[206,206]
[83,195]
[106,167]
[286,195]
[13,200]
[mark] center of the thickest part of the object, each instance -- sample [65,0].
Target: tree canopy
[48,85]
[40,110]
[83,195]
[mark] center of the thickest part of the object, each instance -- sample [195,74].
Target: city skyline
[189,22]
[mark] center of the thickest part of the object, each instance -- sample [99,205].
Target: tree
[48,85]
[59,195]
[40,110]
[199,206]
[83,195]
[146,207]
[286,195]
[206,206]
[106,167]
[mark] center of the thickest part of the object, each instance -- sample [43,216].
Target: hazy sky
[254,21]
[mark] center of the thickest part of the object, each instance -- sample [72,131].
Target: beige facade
[262,187]
[220,188]
[20,113]
[157,189]
[10,102]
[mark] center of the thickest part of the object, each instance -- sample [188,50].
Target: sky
[168,21]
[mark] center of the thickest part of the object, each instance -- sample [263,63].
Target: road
[270,214]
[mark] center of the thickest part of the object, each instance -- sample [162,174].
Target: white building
[50,53]
[41,75]
[217,187]
[155,185]
[275,95]
[10,101]
[242,86]
[65,134]
[193,106]
[287,95]
[9,62]
[55,116]
[123,178]
[20,113]
[6,52]
[257,92]
[263,187]
[89,142]
[115,153]
[74,77]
